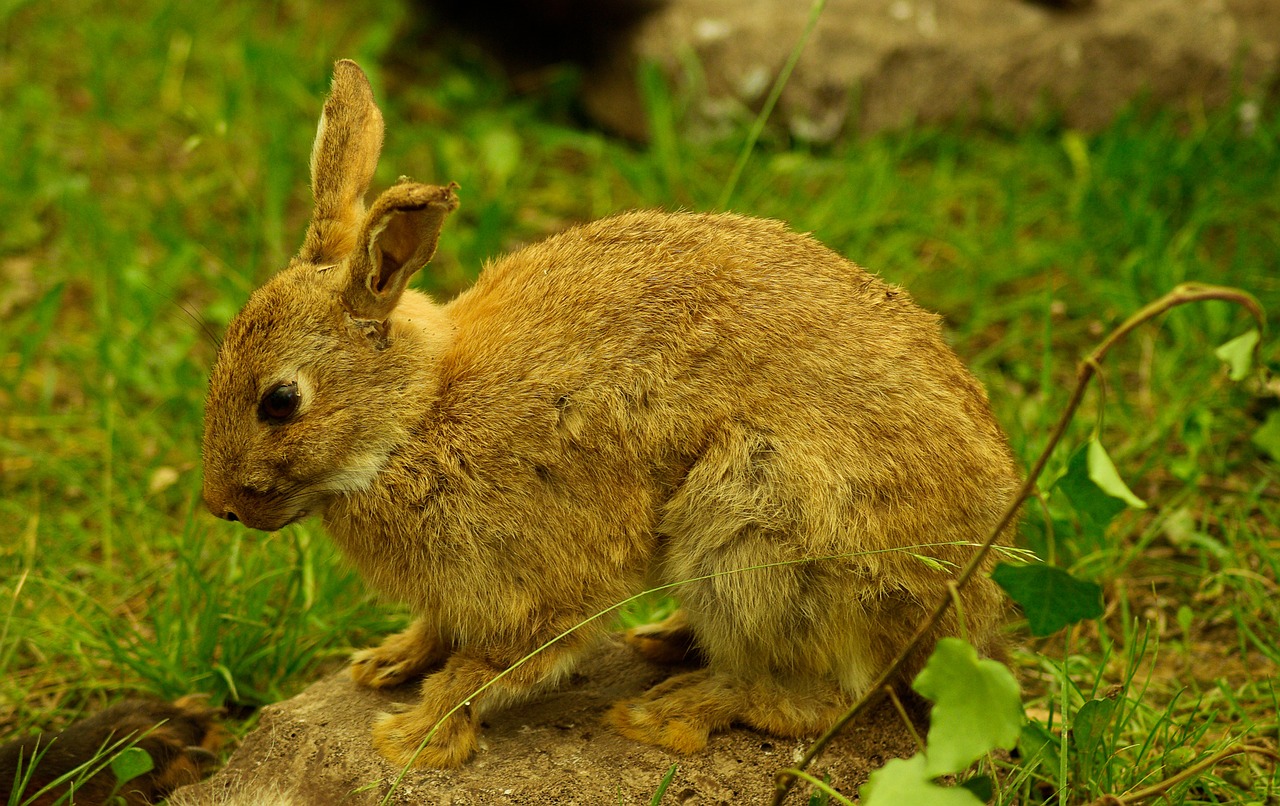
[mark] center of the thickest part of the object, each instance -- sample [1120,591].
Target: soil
[315,748]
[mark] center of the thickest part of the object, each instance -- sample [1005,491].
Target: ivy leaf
[1268,436]
[1102,472]
[130,763]
[1050,597]
[1095,508]
[1238,354]
[906,781]
[983,788]
[976,707]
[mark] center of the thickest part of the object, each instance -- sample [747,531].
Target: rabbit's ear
[343,159]
[398,237]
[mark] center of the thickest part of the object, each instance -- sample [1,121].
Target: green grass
[153,171]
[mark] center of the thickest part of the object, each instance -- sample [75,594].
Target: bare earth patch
[556,750]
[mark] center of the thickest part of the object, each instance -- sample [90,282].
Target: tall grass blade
[779,84]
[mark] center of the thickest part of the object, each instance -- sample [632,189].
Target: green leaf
[1238,354]
[1181,529]
[976,706]
[132,762]
[982,787]
[1179,757]
[904,781]
[1102,472]
[931,563]
[1186,617]
[1267,437]
[1050,597]
[1039,746]
[1090,725]
[662,787]
[1095,508]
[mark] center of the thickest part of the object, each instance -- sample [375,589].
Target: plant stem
[906,718]
[1155,790]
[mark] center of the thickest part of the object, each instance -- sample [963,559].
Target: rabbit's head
[309,380]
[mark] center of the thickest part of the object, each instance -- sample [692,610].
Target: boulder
[315,748]
[881,64]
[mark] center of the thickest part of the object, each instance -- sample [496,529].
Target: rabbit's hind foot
[668,642]
[399,657]
[682,712]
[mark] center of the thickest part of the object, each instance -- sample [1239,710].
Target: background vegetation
[153,171]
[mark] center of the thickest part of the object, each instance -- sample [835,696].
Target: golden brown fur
[645,399]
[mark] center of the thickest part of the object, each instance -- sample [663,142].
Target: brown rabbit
[642,400]
[180,738]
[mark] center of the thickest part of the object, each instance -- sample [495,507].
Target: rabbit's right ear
[343,160]
[398,238]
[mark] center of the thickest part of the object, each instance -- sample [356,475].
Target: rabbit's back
[755,376]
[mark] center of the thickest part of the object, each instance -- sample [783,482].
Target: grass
[153,171]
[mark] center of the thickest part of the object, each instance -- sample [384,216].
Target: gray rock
[315,749]
[881,64]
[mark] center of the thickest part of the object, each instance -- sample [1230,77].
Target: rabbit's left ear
[398,238]
[343,158]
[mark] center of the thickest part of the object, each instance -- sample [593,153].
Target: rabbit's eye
[280,403]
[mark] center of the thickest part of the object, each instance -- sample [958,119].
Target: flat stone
[315,748]
[883,64]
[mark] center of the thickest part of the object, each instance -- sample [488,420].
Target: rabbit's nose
[221,511]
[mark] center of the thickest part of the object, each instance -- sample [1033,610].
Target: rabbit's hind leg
[400,657]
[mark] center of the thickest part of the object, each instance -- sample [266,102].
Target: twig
[1183,294]
[1155,790]
[822,786]
[906,718]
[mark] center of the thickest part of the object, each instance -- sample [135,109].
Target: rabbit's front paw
[400,657]
[421,739]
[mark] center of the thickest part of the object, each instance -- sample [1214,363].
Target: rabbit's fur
[642,400]
[74,765]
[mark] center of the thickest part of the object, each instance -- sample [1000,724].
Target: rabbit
[180,737]
[648,399]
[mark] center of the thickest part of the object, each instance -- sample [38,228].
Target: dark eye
[280,403]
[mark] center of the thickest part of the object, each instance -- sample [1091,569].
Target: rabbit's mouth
[266,512]
[267,523]
[270,523]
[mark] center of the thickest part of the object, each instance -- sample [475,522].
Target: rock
[315,748]
[881,64]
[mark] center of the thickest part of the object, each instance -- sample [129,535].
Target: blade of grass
[757,127]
